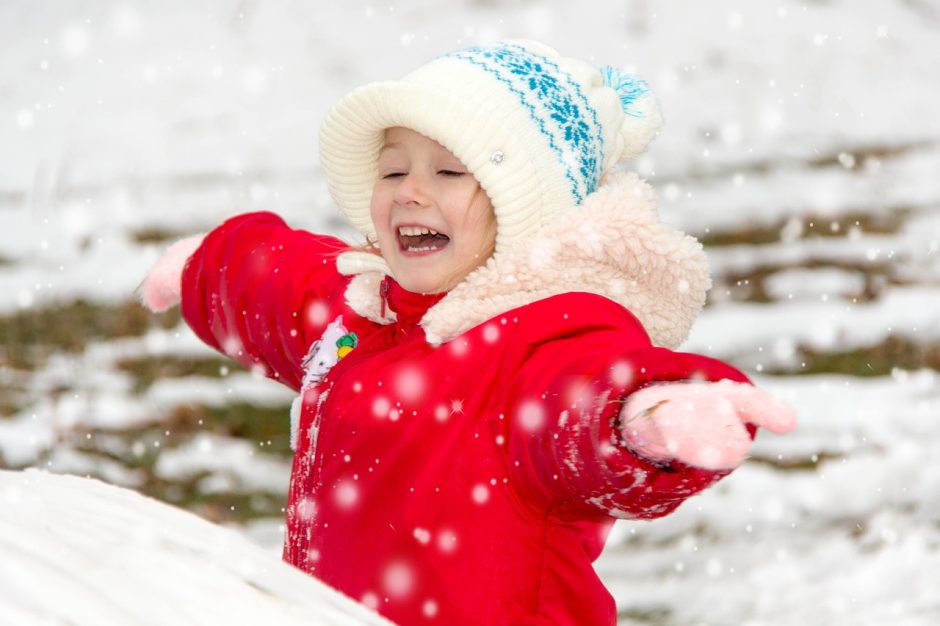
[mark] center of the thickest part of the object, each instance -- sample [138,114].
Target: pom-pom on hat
[537,130]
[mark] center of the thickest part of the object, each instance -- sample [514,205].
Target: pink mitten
[700,424]
[163,285]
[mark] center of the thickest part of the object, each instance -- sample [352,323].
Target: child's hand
[163,285]
[700,424]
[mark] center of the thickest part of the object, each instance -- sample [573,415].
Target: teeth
[415,230]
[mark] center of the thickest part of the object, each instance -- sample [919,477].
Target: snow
[732,329]
[117,118]
[222,457]
[77,551]
[853,541]
[814,284]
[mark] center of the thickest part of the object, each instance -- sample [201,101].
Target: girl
[489,382]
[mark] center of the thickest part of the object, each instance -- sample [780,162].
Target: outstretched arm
[254,289]
[590,433]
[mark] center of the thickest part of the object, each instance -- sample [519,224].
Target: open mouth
[421,239]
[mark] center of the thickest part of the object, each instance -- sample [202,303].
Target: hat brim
[469,125]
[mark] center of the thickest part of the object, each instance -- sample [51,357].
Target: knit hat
[537,130]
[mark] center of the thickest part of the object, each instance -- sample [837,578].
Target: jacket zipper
[383,293]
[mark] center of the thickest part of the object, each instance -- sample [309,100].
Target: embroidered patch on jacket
[335,343]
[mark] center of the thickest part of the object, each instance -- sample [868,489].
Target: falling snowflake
[75,41]
[490,333]
[410,384]
[380,407]
[531,416]
[447,540]
[346,494]
[232,346]
[317,312]
[398,579]
[621,373]
[542,253]
[459,347]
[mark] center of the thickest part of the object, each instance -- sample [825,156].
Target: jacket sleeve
[261,292]
[562,427]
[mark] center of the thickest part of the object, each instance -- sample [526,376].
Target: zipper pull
[383,293]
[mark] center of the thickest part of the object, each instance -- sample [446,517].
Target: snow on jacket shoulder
[458,456]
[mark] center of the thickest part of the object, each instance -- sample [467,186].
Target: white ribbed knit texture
[474,115]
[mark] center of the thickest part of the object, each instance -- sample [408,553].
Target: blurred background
[801,145]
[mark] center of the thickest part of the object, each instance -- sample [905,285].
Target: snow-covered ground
[802,143]
[77,551]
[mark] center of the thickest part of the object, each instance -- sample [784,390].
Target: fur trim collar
[613,245]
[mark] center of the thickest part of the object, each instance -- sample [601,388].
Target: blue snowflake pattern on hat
[555,103]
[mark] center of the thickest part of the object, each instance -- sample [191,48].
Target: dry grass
[811,226]
[29,337]
[880,359]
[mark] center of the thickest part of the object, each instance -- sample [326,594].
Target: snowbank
[77,551]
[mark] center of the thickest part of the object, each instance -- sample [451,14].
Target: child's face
[434,222]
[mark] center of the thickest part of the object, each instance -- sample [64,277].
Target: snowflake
[490,333]
[531,416]
[410,384]
[398,579]
[370,600]
[346,495]
[380,407]
[447,541]
[318,312]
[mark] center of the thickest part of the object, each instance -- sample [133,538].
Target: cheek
[379,209]
[481,241]
[375,204]
[484,224]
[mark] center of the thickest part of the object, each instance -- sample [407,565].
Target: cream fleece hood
[612,245]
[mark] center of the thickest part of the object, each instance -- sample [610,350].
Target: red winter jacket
[468,480]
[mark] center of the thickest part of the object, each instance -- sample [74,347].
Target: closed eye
[451,173]
[392,175]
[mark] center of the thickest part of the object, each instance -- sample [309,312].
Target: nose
[413,189]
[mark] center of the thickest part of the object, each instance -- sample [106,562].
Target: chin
[422,285]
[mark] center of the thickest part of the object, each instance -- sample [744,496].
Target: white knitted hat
[537,130]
